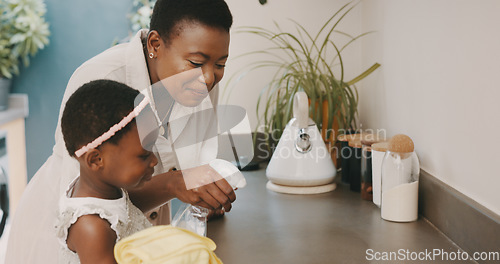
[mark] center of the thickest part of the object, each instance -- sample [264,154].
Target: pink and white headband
[117,127]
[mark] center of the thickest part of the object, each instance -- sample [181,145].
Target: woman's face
[191,63]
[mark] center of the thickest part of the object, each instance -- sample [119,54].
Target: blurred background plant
[23,32]
[138,18]
[141,14]
[302,61]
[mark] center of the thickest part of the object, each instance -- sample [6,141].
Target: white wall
[439,84]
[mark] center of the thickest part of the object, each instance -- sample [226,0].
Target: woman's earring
[151,55]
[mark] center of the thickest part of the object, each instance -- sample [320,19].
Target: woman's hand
[214,214]
[203,186]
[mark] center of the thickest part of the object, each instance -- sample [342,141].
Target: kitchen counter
[335,227]
[12,121]
[18,108]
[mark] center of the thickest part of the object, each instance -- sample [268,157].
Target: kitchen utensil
[301,158]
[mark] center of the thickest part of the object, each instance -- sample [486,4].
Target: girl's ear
[94,159]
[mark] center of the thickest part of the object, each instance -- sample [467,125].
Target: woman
[190,36]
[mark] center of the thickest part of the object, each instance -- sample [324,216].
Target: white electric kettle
[301,157]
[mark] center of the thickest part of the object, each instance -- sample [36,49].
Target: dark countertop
[335,227]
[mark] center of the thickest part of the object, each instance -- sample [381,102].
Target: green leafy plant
[310,63]
[141,14]
[23,32]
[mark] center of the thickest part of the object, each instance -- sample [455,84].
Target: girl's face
[128,165]
[191,63]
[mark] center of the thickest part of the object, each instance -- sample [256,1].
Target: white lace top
[124,218]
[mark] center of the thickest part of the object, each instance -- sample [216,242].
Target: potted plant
[141,15]
[23,32]
[313,64]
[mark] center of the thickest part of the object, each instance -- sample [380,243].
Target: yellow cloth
[166,245]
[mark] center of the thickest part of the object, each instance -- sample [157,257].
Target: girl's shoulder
[119,214]
[92,237]
[113,212]
[89,229]
[97,222]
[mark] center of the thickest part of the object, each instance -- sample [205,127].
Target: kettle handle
[301,109]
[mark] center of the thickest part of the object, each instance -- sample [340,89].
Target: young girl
[100,131]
